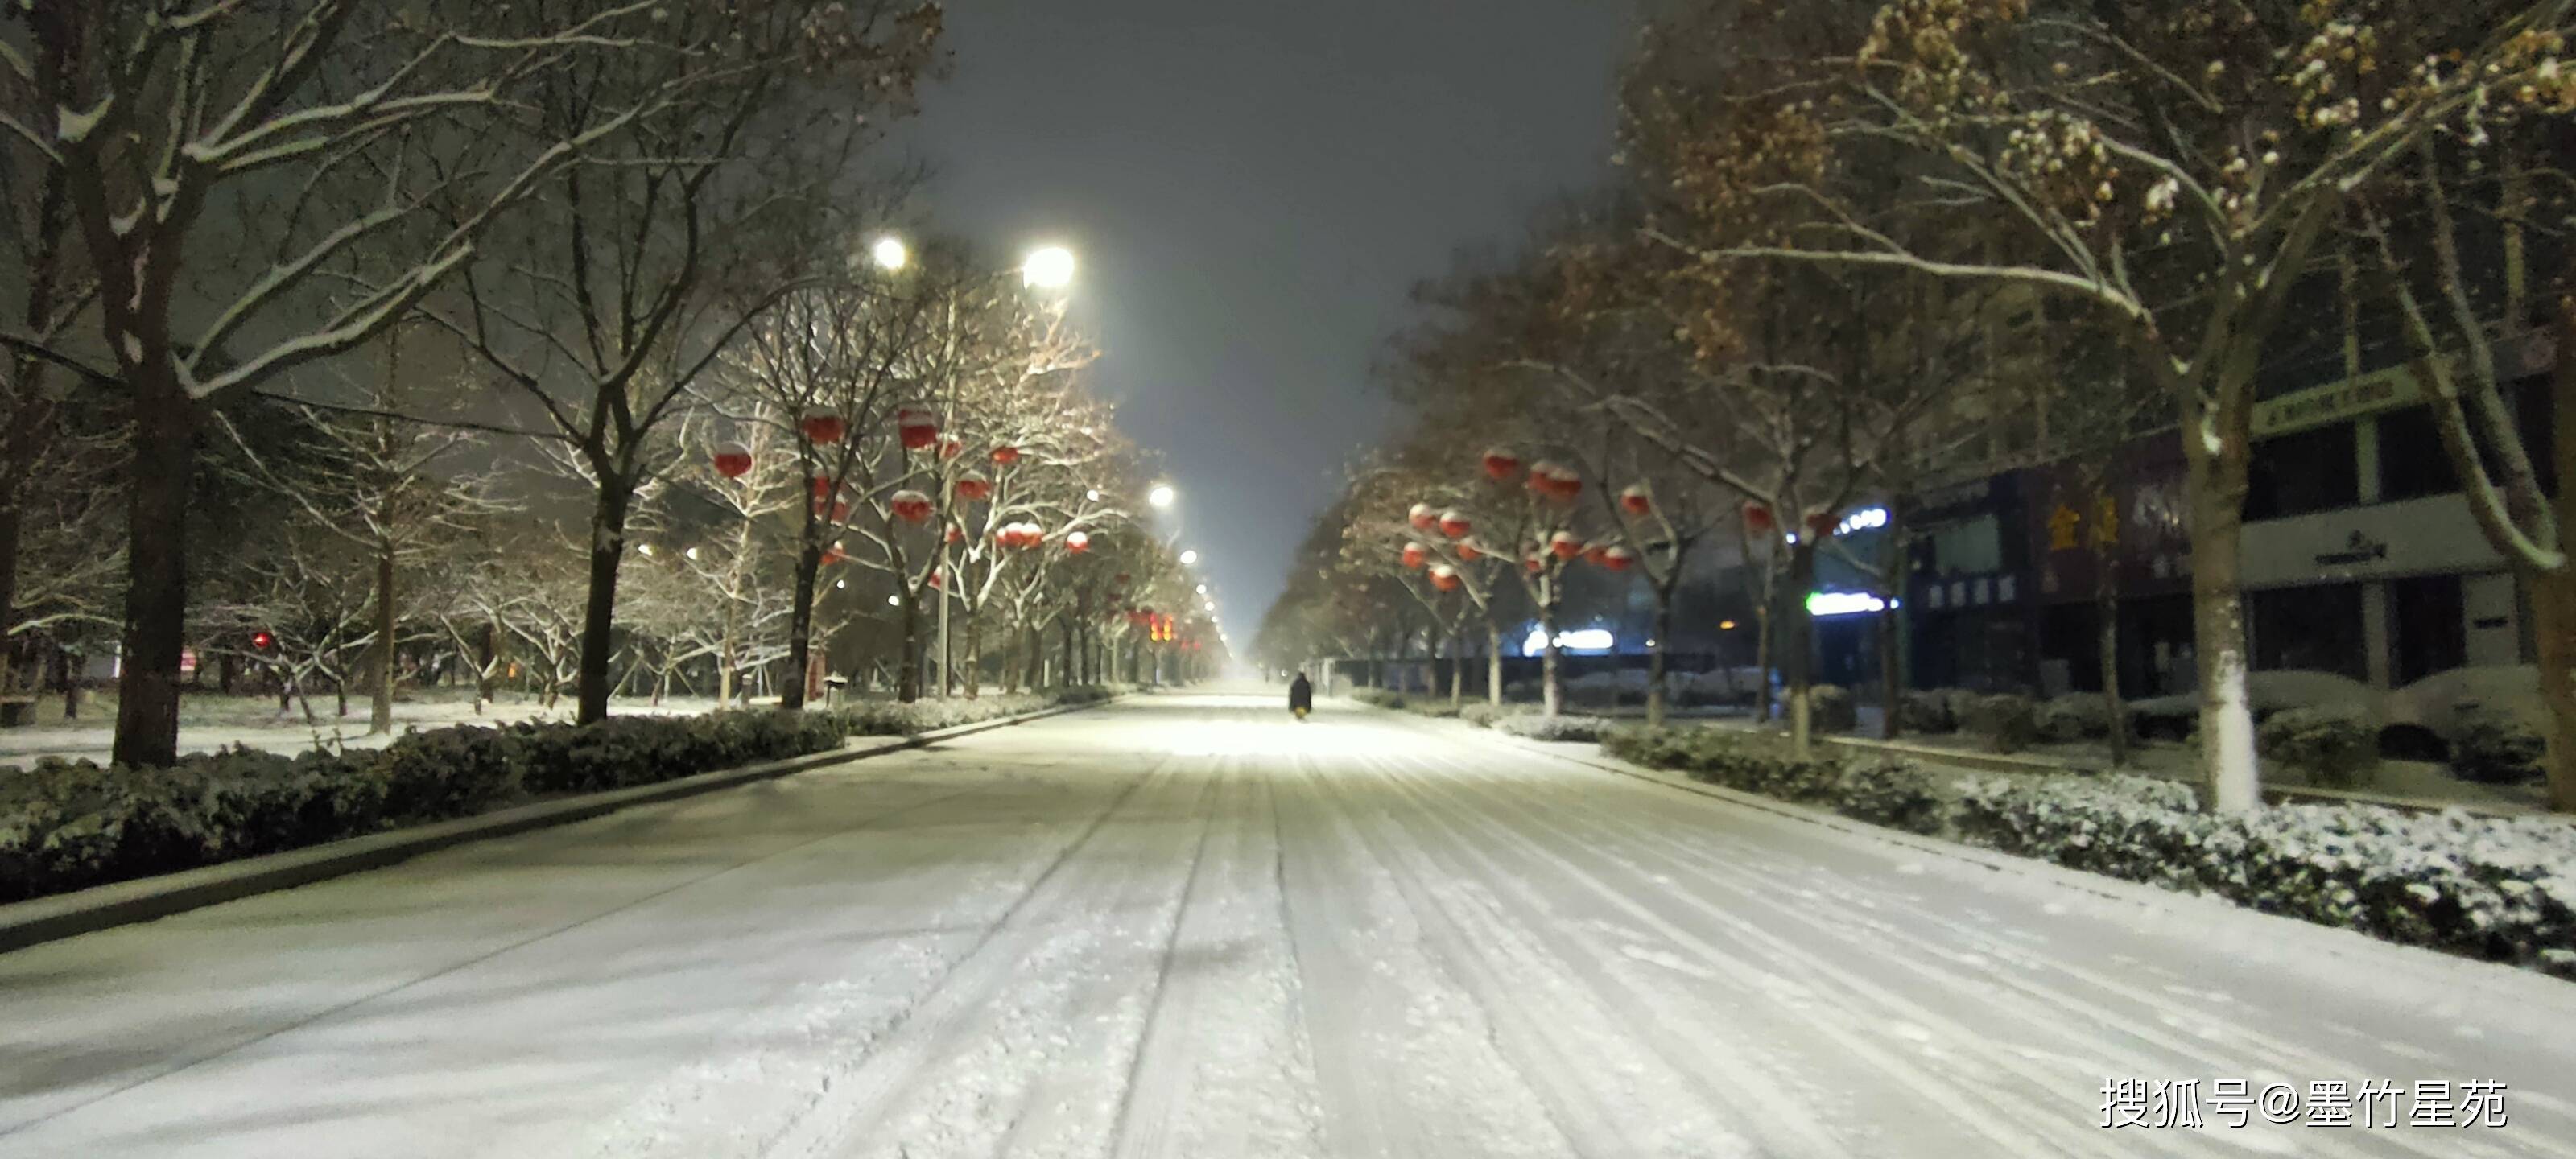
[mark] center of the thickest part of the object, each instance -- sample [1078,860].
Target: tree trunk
[1071,677]
[158,484]
[1551,694]
[1457,670]
[2553,594]
[1656,674]
[800,622]
[380,715]
[2106,615]
[1802,579]
[1762,664]
[2231,781]
[908,682]
[1891,671]
[1493,663]
[599,613]
[10,518]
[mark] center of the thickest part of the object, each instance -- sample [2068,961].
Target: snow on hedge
[2502,889]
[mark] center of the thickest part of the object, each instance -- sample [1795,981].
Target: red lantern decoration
[1820,522]
[1636,501]
[1565,545]
[1422,517]
[1077,542]
[951,448]
[1455,524]
[733,460]
[834,554]
[1757,516]
[917,429]
[910,506]
[1445,578]
[1593,553]
[1618,558]
[823,426]
[956,535]
[820,486]
[1500,464]
[1563,484]
[1470,552]
[1006,455]
[1415,555]
[838,511]
[974,488]
[1535,564]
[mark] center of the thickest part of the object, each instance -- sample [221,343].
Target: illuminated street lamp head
[1202,589]
[1162,495]
[1048,268]
[894,601]
[890,254]
[1189,559]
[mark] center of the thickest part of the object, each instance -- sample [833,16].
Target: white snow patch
[1911,868]
[72,126]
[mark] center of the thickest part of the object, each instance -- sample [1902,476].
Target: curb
[2502,980]
[103,907]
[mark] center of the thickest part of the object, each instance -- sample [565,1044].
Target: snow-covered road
[1187,926]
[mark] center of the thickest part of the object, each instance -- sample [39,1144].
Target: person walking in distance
[1301,696]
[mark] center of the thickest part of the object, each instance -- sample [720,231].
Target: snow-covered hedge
[1380,697]
[2008,722]
[1484,715]
[2073,717]
[892,718]
[1880,790]
[2502,889]
[67,825]
[1927,712]
[1532,726]
[2336,745]
[2498,749]
[1830,708]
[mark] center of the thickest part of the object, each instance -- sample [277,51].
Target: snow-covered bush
[2497,888]
[1484,715]
[2496,748]
[72,825]
[2335,745]
[2073,717]
[1883,791]
[1927,712]
[891,718]
[1439,709]
[2008,722]
[1532,726]
[1830,708]
[1378,697]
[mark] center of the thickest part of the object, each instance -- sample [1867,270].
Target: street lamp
[1189,558]
[1048,268]
[894,601]
[890,254]
[1162,495]
[1202,589]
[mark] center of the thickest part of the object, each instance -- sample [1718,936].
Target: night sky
[1252,188]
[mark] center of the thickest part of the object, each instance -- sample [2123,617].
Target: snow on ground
[1188,926]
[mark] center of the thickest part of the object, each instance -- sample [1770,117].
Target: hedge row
[67,825]
[889,718]
[2501,889]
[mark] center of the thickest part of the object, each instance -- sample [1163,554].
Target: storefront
[1969,593]
[2134,519]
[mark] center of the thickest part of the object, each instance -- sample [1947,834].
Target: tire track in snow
[1012,971]
[1404,1068]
